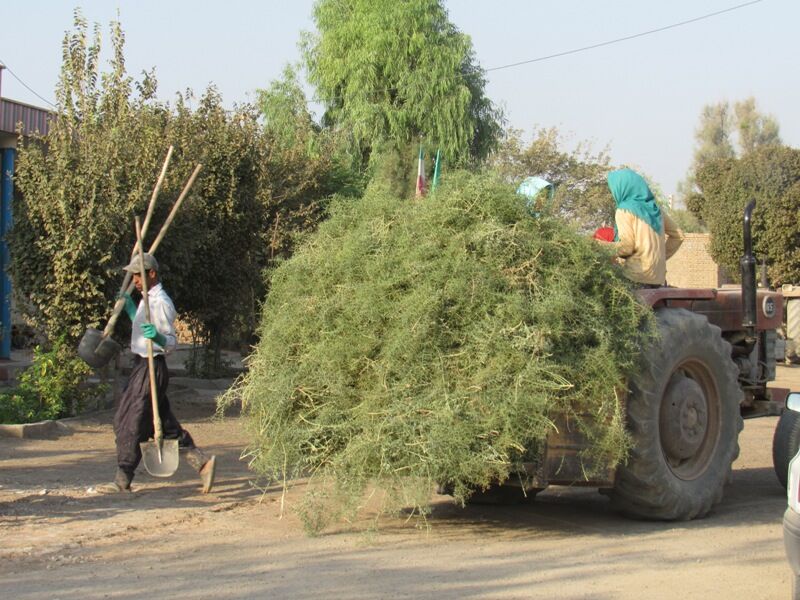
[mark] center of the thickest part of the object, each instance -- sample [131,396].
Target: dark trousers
[133,421]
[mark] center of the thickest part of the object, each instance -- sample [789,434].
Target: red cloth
[605,234]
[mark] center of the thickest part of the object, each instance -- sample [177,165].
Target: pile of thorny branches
[410,343]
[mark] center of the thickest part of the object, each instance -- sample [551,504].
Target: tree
[394,72]
[771,175]
[755,130]
[581,192]
[713,134]
[726,133]
[80,186]
[284,107]
[213,254]
[320,153]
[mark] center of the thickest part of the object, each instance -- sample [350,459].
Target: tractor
[706,370]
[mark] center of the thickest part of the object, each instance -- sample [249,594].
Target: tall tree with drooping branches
[397,72]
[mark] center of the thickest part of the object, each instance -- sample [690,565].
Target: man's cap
[150,263]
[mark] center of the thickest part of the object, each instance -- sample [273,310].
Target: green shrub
[81,184]
[414,342]
[53,386]
[771,176]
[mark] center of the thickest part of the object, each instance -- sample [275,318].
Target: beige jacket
[642,252]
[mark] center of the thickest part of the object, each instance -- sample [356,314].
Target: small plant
[53,386]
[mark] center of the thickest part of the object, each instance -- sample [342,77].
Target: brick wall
[692,266]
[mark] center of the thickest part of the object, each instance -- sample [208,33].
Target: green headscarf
[631,194]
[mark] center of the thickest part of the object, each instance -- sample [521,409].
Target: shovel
[160,457]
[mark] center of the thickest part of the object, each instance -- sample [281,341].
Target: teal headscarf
[530,188]
[631,194]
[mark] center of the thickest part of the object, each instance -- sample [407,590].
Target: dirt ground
[166,540]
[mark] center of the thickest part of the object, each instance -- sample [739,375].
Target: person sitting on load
[645,236]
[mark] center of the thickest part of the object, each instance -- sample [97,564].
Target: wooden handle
[112,320]
[156,190]
[151,367]
[170,218]
[120,303]
[176,206]
[127,285]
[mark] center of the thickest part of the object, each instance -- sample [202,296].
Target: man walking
[133,421]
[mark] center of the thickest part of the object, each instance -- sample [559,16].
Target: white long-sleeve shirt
[162,315]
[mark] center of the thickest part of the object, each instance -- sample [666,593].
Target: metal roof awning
[33,119]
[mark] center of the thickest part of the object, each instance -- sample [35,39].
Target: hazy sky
[640,97]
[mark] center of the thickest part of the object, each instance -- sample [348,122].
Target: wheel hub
[684,417]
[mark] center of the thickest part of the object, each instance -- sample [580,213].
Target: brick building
[692,265]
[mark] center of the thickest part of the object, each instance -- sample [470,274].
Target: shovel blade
[160,462]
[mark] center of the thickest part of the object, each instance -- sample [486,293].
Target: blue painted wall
[6,197]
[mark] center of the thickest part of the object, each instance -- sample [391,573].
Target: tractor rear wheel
[684,420]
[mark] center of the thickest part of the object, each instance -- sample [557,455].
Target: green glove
[130,305]
[151,333]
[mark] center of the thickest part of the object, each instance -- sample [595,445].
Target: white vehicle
[791,518]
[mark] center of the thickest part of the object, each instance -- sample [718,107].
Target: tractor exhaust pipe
[748,265]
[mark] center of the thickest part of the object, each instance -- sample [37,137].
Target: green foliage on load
[413,342]
[771,175]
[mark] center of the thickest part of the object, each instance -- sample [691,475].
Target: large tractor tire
[684,420]
[785,443]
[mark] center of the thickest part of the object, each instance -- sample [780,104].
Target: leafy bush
[52,387]
[579,176]
[81,185]
[771,175]
[408,343]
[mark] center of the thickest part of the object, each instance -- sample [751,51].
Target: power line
[626,38]
[593,46]
[523,62]
[27,87]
